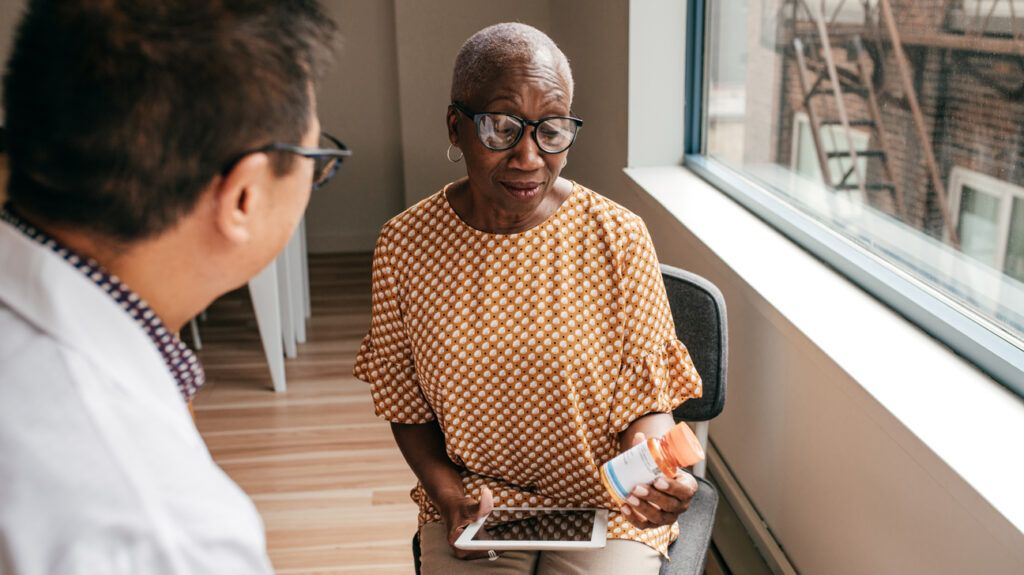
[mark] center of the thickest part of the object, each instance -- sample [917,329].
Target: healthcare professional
[161,154]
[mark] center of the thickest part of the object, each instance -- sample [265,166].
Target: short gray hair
[491,50]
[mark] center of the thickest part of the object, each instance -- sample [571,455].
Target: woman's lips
[523,190]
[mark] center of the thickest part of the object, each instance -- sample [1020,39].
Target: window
[990,218]
[804,156]
[884,140]
[990,17]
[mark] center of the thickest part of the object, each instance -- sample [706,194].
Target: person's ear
[452,120]
[238,196]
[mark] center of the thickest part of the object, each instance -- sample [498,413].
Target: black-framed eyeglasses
[499,132]
[326,159]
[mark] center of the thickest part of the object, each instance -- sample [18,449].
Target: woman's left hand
[662,502]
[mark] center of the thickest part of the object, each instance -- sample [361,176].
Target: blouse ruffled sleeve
[657,373]
[385,358]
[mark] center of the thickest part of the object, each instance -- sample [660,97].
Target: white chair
[293,274]
[307,302]
[266,301]
[285,287]
[280,297]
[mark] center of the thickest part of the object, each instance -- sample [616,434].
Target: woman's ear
[452,120]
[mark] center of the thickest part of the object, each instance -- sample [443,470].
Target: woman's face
[518,179]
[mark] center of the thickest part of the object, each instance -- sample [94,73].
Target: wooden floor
[324,472]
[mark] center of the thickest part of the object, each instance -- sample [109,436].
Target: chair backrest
[698,310]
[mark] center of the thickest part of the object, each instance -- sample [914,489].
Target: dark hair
[121,112]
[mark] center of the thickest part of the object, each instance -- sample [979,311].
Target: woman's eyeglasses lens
[500,132]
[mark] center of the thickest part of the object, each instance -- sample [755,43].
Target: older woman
[520,332]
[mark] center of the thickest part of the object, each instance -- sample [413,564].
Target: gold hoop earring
[448,154]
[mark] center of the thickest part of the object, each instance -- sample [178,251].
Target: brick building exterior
[972,102]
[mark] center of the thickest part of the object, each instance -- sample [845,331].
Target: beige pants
[617,558]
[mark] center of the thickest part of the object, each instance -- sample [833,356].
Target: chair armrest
[688,554]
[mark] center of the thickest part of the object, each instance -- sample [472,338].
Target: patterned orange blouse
[533,351]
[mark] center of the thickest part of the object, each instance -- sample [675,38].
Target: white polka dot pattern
[533,351]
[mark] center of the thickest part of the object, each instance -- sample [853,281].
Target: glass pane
[979,225]
[727,63]
[993,16]
[915,108]
[832,139]
[1014,265]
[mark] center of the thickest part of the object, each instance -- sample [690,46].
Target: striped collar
[181,361]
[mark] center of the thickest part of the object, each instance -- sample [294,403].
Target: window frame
[1004,191]
[974,14]
[862,140]
[940,317]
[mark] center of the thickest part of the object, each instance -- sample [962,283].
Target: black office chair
[698,310]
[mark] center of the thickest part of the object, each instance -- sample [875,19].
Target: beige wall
[10,10]
[358,103]
[594,36]
[656,49]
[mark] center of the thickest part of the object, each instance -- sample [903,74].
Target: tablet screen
[542,525]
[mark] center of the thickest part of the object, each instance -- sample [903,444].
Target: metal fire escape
[832,63]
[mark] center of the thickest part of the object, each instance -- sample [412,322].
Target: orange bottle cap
[684,446]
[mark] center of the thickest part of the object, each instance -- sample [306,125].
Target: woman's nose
[526,155]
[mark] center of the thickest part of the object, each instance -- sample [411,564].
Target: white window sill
[942,403]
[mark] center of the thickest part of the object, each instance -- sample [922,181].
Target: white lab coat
[101,467]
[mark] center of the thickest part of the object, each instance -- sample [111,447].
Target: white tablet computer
[537,528]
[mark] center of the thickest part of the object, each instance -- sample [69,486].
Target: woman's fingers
[651,513]
[644,497]
[660,503]
[467,512]
[462,553]
[635,517]
[486,503]
[672,494]
[683,487]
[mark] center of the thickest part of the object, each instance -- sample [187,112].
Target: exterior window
[990,219]
[989,17]
[804,158]
[895,125]
[1013,264]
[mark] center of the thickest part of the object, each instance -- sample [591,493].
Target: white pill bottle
[657,457]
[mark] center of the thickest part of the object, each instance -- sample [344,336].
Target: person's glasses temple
[345,152]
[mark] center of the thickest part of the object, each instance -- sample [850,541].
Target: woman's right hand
[423,447]
[457,513]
